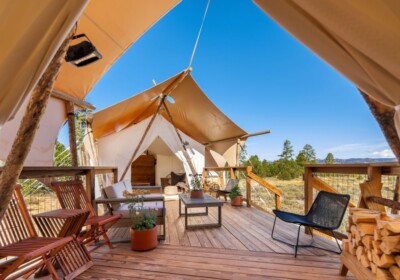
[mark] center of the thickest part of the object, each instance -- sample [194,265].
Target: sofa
[115,203]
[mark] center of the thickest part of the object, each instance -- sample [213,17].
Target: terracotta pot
[237,201]
[143,240]
[196,194]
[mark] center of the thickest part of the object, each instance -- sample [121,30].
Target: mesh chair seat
[326,213]
[294,218]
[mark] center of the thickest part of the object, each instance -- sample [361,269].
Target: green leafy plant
[142,218]
[196,182]
[235,192]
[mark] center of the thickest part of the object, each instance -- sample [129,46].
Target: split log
[374,267]
[29,125]
[367,241]
[383,274]
[360,252]
[395,271]
[365,229]
[366,216]
[376,245]
[397,259]
[386,261]
[390,244]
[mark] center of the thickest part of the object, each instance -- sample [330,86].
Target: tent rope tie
[198,35]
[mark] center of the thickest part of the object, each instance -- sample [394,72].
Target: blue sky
[257,74]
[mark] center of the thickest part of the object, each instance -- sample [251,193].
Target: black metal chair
[326,213]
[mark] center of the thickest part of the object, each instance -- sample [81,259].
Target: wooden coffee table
[206,201]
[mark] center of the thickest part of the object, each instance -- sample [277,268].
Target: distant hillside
[360,160]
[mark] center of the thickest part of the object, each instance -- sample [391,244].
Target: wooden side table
[74,258]
[61,222]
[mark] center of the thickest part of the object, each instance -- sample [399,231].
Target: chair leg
[297,242]
[337,242]
[273,229]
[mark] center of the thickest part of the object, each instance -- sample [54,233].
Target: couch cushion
[176,178]
[116,190]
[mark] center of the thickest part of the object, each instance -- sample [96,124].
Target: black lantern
[83,52]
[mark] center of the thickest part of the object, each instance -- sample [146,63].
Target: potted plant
[143,230]
[196,189]
[236,196]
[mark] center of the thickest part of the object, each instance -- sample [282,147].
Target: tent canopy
[193,114]
[359,38]
[39,28]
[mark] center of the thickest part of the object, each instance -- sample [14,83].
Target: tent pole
[28,127]
[142,139]
[185,152]
[384,115]
[166,92]
[72,133]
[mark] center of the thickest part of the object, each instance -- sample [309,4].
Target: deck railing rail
[254,185]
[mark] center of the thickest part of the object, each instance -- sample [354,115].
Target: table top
[207,200]
[60,213]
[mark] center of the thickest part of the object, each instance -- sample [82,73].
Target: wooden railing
[368,184]
[89,172]
[249,175]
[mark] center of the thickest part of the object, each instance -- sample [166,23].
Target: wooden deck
[241,248]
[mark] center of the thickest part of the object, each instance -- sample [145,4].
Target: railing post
[277,202]
[248,186]
[115,175]
[90,184]
[308,192]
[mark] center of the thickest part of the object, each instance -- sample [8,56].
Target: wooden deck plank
[241,249]
[177,262]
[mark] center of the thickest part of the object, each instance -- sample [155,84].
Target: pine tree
[309,154]
[301,159]
[287,153]
[329,159]
[243,155]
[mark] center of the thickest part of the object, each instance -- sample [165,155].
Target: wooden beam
[68,98]
[29,125]
[239,137]
[384,201]
[321,185]
[384,115]
[72,132]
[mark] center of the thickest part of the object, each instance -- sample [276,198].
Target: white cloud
[386,153]
[362,150]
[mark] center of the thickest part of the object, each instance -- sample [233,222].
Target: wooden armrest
[146,197]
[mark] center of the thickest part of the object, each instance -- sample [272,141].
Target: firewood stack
[374,238]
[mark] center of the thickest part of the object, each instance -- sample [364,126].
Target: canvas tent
[359,38]
[118,129]
[116,149]
[38,30]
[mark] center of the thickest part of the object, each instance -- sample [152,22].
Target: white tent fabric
[31,31]
[116,149]
[42,150]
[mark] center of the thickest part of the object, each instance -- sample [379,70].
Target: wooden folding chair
[72,195]
[21,250]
